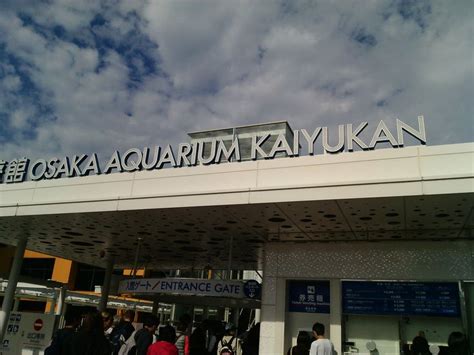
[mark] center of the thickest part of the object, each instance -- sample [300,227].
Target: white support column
[104,296]
[257,316]
[335,317]
[16,304]
[9,296]
[61,301]
[53,302]
[272,325]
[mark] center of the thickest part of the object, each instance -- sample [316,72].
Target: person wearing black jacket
[90,339]
[144,336]
[62,337]
[122,331]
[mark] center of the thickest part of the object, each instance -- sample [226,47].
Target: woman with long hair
[90,339]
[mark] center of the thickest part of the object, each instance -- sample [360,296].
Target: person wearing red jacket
[165,344]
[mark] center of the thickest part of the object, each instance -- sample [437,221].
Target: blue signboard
[252,289]
[308,296]
[401,298]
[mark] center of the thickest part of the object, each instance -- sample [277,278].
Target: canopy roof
[196,217]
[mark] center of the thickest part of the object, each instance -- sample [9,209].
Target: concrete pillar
[104,296]
[335,329]
[235,316]
[60,310]
[9,296]
[272,322]
[16,305]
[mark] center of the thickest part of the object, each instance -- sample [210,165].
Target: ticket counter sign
[308,296]
[181,286]
[30,332]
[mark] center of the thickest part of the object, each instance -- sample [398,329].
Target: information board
[308,296]
[401,298]
[27,333]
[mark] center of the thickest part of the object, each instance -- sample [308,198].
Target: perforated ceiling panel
[201,237]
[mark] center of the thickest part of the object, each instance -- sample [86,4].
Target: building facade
[389,216]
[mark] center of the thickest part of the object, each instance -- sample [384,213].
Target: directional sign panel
[308,296]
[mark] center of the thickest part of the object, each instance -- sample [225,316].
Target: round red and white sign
[38,324]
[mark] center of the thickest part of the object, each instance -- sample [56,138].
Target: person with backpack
[230,343]
[122,331]
[182,339]
[144,337]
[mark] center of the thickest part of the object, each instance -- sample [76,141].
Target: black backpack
[120,335]
[226,348]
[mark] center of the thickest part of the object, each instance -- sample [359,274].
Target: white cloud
[222,64]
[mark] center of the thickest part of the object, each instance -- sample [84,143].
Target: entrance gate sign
[177,286]
[205,153]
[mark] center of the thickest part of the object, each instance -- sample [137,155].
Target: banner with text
[199,287]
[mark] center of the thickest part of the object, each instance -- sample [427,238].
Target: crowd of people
[457,345]
[317,344]
[102,334]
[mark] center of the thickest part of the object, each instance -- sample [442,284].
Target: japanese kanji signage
[200,287]
[217,150]
[27,333]
[308,296]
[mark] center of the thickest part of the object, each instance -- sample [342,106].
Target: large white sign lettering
[208,152]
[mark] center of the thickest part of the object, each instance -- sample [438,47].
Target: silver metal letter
[280,145]
[184,150]
[212,153]
[420,134]
[352,137]
[132,165]
[92,165]
[150,166]
[63,168]
[296,143]
[311,139]
[38,176]
[256,146]
[51,168]
[387,136]
[233,150]
[340,144]
[167,157]
[194,151]
[76,161]
[114,163]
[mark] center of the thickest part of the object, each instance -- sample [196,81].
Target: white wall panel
[423,260]
[384,172]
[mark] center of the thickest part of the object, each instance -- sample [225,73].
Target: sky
[78,77]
